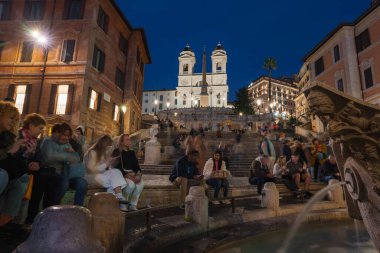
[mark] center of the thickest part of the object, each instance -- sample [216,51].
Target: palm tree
[270,64]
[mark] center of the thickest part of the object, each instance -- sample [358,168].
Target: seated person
[185,174]
[215,173]
[329,170]
[281,174]
[298,172]
[260,173]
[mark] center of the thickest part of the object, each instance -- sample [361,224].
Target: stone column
[152,153]
[336,194]
[270,197]
[108,221]
[62,229]
[197,206]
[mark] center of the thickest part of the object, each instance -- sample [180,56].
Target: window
[2,45]
[34,9]
[336,53]
[368,78]
[175,101]
[98,59]
[146,101]
[119,78]
[184,102]
[152,109]
[102,20]
[94,99]
[62,96]
[146,109]
[74,9]
[5,9]
[27,51]
[20,97]
[161,97]
[135,88]
[138,56]
[123,44]
[185,68]
[116,112]
[68,50]
[319,66]
[160,106]
[339,85]
[362,41]
[218,67]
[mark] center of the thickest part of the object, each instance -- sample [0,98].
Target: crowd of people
[39,167]
[295,164]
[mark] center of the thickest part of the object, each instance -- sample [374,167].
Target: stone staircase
[240,158]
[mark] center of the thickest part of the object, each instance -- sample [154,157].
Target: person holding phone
[99,168]
[185,174]
[298,172]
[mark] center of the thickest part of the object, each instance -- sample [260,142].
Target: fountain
[354,127]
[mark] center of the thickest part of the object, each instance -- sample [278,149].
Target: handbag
[135,177]
[76,170]
[28,192]
[220,174]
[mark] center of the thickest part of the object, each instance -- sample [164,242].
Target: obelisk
[204,101]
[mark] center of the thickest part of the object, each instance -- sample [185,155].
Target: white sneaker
[215,202]
[132,208]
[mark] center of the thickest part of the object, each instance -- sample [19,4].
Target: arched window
[161,97]
[219,67]
[186,68]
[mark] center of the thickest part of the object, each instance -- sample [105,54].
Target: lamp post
[123,109]
[223,101]
[167,110]
[155,107]
[42,41]
[195,110]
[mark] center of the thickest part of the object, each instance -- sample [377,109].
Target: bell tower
[219,59]
[186,61]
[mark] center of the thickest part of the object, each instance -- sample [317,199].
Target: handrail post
[148,224]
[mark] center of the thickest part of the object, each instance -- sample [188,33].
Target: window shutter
[113,111]
[25,109]
[100,97]
[11,91]
[89,96]
[82,8]
[53,97]
[66,9]
[70,99]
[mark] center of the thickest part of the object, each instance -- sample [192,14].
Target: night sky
[250,31]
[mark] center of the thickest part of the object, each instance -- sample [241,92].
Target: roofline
[159,90]
[340,26]
[124,18]
[264,77]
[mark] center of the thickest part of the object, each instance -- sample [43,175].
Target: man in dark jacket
[329,170]
[260,173]
[286,151]
[185,174]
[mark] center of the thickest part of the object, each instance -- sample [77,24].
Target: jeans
[79,184]
[260,181]
[288,182]
[3,180]
[47,183]
[326,179]
[132,191]
[217,183]
[184,184]
[14,194]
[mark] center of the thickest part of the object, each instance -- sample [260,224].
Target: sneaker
[215,202]
[227,202]
[182,206]
[123,207]
[132,208]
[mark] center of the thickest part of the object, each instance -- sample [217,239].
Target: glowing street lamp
[123,109]
[155,106]
[41,40]
[167,109]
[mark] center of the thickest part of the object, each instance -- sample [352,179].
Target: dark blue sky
[250,30]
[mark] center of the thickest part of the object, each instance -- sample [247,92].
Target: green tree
[270,64]
[244,102]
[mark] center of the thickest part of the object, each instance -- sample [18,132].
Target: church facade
[193,89]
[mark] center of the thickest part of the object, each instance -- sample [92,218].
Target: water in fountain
[317,197]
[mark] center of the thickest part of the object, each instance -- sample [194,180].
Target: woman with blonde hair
[99,167]
[126,161]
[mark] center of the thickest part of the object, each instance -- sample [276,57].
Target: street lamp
[223,101]
[167,110]
[41,40]
[155,106]
[123,109]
